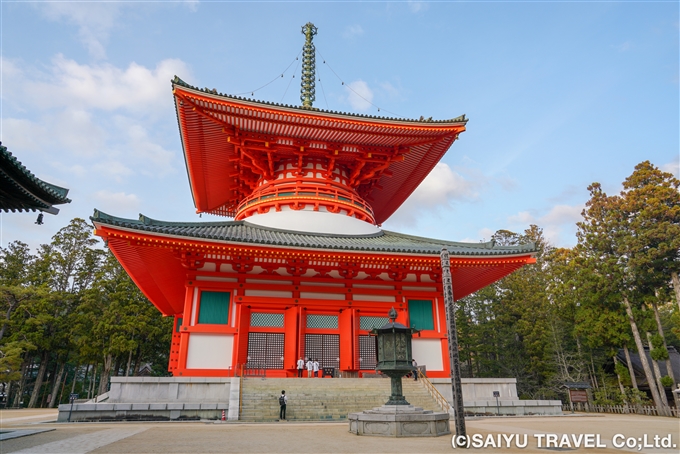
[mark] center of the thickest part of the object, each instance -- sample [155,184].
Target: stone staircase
[323,399]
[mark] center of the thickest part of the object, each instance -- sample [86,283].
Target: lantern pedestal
[399,421]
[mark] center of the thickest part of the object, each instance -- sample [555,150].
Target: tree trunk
[669,366]
[86,386]
[657,372]
[57,383]
[676,286]
[105,375]
[135,368]
[93,381]
[8,394]
[19,396]
[39,380]
[643,358]
[129,362]
[621,388]
[631,371]
[75,378]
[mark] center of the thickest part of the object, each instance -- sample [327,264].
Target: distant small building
[20,190]
[640,377]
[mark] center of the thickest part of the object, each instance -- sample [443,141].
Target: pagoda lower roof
[21,190]
[246,233]
[391,156]
[159,255]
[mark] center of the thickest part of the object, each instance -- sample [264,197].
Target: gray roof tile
[243,232]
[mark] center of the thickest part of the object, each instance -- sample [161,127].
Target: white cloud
[101,86]
[417,7]
[116,202]
[672,167]
[94,19]
[558,224]
[623,47]
[352,31]
[391,91]
[72,131]
[359,95]
[114,169]
[192,4]
[439,190]
[150,157]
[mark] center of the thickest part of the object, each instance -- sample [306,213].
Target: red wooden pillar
[302,333]
[290,340]
[183,334]
[345,322]
[243,327]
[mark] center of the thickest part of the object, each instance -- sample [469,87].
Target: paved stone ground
[285,437]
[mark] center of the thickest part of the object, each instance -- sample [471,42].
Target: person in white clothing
[316,367]
[300,366]
[310,367]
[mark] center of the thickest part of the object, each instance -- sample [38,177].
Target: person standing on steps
[300,366]
[316,368]
[415,369]
[310,367]
[283,401]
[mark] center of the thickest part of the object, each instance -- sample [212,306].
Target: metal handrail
[434,392]
[240,392]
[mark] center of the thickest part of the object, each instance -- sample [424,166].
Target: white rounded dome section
[313,222]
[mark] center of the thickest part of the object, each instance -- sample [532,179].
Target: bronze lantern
[394,355]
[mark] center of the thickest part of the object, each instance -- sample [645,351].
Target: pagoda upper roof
[21,190]
[208,120]
[244,232]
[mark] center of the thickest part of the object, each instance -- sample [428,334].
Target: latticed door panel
[355,339]
[367,353]
[265,350]
[324,347]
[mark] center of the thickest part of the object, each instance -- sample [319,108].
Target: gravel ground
[289,437]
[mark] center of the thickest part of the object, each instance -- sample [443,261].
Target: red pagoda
[304,270]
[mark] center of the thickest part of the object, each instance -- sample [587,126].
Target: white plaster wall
[313,221]
[428,352]
[210,351]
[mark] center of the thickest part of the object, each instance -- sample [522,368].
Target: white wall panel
[210,351]
[428,352]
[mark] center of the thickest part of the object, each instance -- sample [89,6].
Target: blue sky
[559,95]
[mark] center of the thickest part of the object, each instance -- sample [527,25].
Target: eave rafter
[313,123]
[194,252]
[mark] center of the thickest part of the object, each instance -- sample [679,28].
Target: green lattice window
[266,319]
[214,308]
[420,314]
[368,323]
[179,324]
[322,321]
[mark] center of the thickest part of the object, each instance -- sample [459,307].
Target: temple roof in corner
[244,232]
[20,190]
[225,137]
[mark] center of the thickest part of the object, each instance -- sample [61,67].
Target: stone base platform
[399,421]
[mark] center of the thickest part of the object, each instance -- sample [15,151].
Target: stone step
[326,399]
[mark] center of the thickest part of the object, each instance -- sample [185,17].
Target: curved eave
[21,190]
[205,117]
[151,258]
